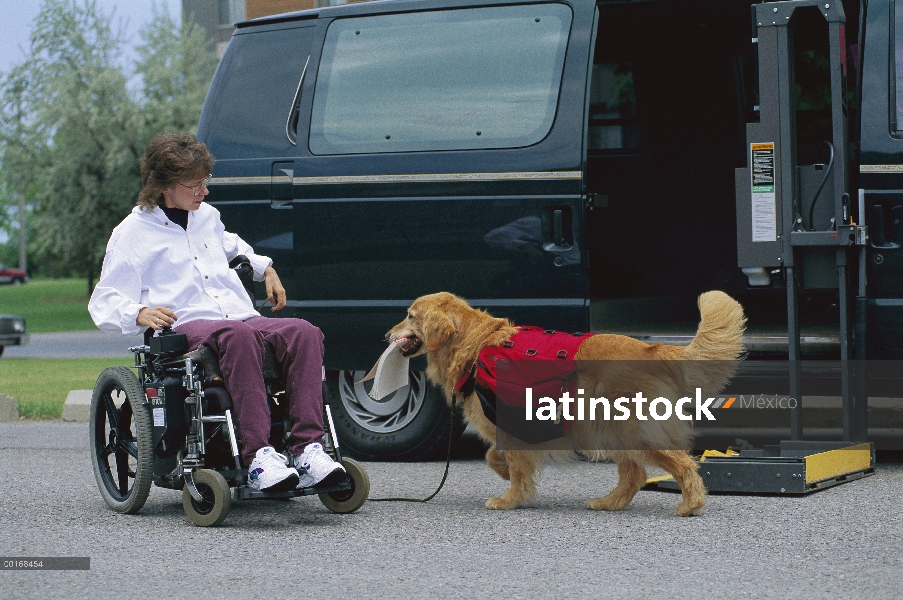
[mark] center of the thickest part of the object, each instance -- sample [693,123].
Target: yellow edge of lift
[835,463]
[784,470]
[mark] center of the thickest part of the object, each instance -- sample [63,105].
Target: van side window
[251,94]
[613,122]
[440,80]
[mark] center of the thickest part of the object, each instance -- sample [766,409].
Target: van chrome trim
[462,198]
[256,180]
[778,343]
[431,177]
[881,168]
[291,108]
[400,178]
[577,302]
[752,342]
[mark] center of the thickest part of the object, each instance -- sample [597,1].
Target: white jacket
[151,261]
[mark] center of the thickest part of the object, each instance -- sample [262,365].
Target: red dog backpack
[541,359]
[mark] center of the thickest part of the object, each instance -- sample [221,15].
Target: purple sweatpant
[298,347]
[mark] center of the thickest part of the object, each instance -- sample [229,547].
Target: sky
[16,17]
[130,16]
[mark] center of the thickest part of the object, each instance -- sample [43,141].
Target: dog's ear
[437,326]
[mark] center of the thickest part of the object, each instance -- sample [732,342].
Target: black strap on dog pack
[467,383]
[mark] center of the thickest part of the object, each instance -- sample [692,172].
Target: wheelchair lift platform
[790,468]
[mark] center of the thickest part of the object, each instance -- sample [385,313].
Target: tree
[9,247]
[82,106]
[176,66]
[13,186]
[71,132]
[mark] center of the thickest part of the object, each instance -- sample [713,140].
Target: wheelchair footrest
[246,493]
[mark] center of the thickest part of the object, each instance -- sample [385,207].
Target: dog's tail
[720,332]
[715,352]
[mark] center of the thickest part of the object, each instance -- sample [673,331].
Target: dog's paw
[607,503]
[500,504]
[690,509]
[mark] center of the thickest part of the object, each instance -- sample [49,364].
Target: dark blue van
[571,164]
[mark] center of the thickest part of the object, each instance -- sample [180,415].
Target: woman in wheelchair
[167,265]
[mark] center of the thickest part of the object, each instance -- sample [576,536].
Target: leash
[451,436]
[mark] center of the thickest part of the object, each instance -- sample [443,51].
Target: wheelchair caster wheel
[217,500]
[348,501]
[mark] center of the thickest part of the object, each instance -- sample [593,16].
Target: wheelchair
[172,426]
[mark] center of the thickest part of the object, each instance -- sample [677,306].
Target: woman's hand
[156,318]
[275,291]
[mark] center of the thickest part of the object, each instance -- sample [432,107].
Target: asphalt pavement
[843,542]
[75,344]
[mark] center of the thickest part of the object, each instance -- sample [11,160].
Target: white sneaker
[317,468]
[269,473]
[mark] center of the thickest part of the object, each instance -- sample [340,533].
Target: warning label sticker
[159,418]
[764,213]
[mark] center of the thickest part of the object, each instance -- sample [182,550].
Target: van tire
[417,431]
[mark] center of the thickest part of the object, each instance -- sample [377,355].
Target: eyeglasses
[197,189]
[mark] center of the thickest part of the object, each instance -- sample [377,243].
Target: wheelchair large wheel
[348,501]
[217,500]
[121,440]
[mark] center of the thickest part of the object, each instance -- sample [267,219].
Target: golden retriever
[451,333]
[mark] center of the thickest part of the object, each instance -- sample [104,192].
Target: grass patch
[40,385]
[49,305]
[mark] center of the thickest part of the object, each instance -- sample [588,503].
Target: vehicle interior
[673,86]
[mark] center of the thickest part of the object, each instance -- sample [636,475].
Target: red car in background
[10,275]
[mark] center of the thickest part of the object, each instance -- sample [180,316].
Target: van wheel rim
[387,415]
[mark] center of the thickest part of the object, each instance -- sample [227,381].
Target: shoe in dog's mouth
[408,346]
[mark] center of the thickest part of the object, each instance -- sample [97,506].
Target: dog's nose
[386,337]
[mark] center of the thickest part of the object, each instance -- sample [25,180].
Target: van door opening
[673,86]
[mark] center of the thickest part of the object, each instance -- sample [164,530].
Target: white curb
[9,410]
[78,406]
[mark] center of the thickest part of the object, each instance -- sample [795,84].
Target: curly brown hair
[169,159]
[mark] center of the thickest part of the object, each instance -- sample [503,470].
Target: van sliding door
[443,155]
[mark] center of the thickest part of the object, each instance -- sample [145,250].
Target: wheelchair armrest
[242,267]
[206,357]
[214,377]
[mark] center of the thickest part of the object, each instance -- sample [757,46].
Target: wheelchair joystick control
[168,342]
